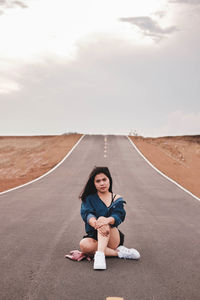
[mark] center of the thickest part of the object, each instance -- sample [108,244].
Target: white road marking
[105,147]
[180,186]
[114,298]
[20,186]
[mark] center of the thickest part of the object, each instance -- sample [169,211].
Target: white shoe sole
[99,267]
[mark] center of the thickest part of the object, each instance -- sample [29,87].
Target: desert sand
[23,159]
[178,157]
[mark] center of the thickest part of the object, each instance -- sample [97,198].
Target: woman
[102,213]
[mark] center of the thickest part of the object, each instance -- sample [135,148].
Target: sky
[100,67]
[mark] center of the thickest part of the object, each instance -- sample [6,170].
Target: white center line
[105,147]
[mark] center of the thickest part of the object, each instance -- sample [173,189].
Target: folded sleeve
[118,213]
[87,211]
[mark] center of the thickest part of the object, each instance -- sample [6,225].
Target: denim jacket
[95,207]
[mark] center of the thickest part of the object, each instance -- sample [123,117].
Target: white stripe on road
[114,298]
[105,147]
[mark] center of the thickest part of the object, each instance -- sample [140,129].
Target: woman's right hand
[104,230]
[92,222]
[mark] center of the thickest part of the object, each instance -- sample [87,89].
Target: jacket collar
[116,201]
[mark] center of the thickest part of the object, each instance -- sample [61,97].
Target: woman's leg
[114,240]
[108,244]
[104,244]
[102,239]
[88,246]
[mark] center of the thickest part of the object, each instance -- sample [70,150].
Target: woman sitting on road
[102,213]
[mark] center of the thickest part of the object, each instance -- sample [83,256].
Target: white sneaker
[99,261]
[124,252]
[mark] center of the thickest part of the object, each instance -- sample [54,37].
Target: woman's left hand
[104,230]
[101,221]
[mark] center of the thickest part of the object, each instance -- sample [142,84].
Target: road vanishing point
[40,223]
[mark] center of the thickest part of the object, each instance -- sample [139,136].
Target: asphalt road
[40,223]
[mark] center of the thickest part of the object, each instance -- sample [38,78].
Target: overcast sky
[109,66]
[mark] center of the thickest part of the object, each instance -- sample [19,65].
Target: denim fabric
[95,207]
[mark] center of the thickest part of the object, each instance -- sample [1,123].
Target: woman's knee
[107,229]
[88,245]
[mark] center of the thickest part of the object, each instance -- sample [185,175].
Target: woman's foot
[99,261]
[124,252]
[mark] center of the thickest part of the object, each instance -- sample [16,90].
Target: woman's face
[102,183]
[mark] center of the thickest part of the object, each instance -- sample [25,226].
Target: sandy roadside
[23,159]
[178,157]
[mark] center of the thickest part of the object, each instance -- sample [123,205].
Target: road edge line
[173,181]
[48,172]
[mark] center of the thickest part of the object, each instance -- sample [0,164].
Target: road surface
[40,223]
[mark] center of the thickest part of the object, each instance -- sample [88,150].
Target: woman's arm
[87,211]
[92,221]
[118,213]
[101,221]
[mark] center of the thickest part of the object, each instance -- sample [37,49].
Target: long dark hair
[90,187]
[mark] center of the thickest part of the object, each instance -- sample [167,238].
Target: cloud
[123,87]
[20,3]
[193,2]
[180,123]
[8,86]
[150,27]
[5,4]
[160,13]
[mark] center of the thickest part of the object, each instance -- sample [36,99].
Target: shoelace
[127,252]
